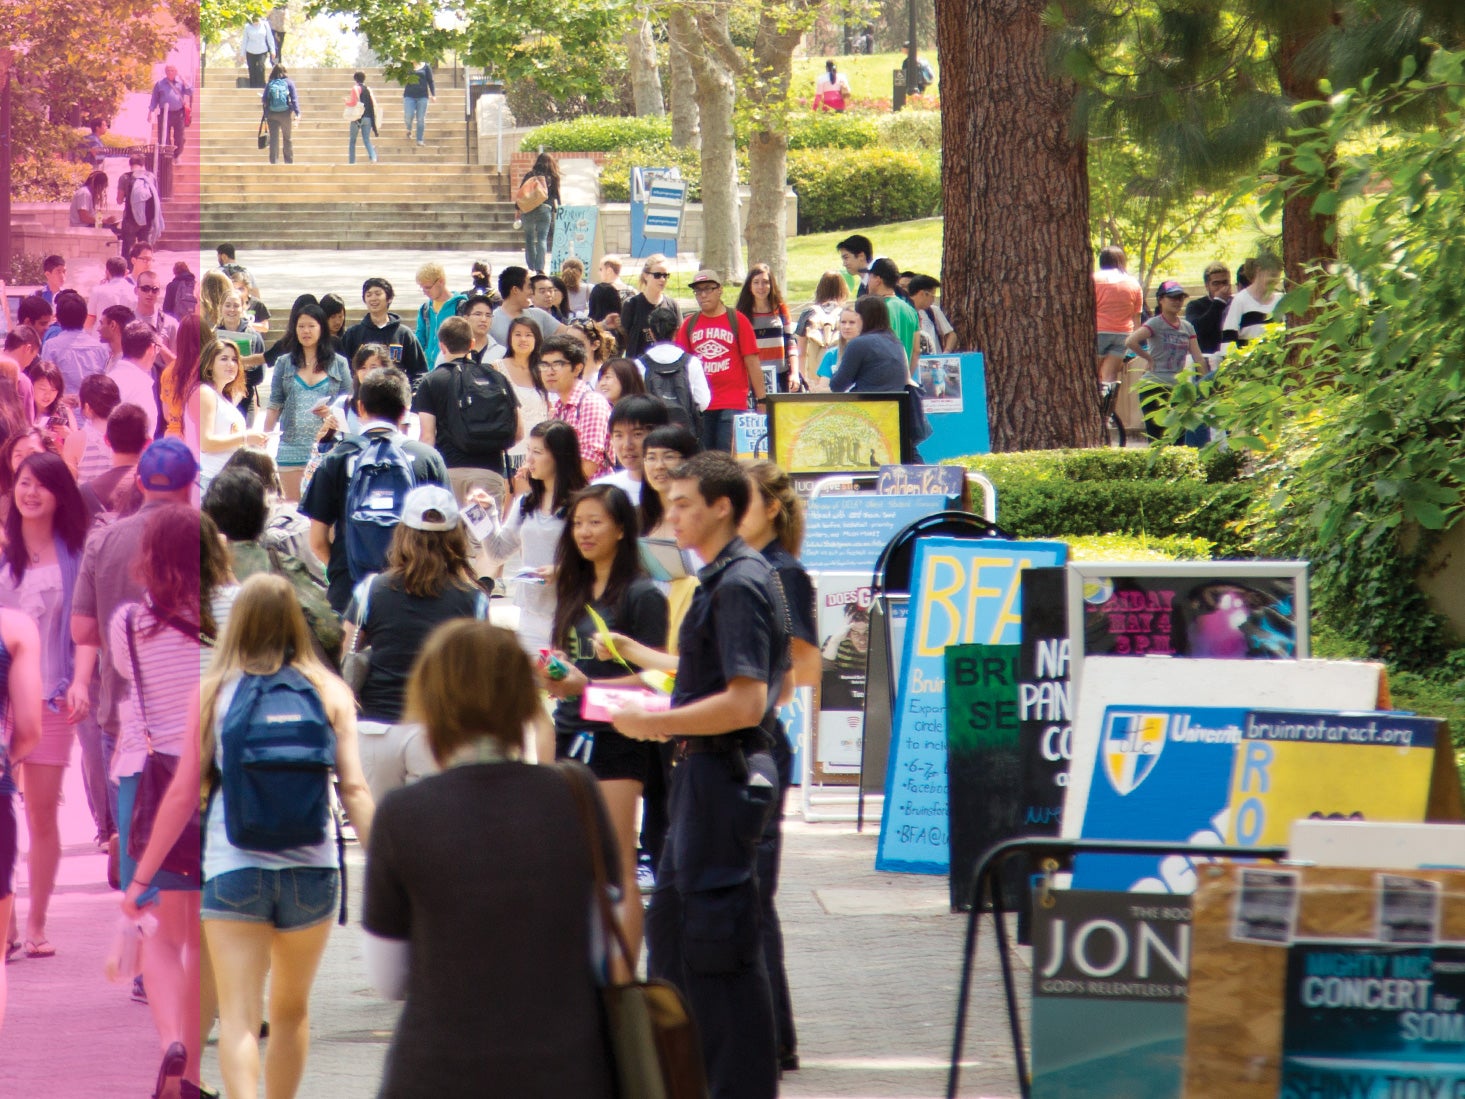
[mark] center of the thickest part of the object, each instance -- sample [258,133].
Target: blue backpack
[278,95]
[279,748]
[381,477]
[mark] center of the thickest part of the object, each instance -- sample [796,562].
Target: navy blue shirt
[736,628]
[798,592]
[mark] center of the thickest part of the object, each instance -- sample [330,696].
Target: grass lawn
[916,246]
[869,75]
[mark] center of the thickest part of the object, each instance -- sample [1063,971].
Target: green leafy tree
[1356,416]
[72,65]
[1138,201]
[216,18]
[559,42]
[1215,81]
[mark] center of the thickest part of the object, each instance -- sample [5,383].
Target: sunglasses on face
[147,289]
[660,274]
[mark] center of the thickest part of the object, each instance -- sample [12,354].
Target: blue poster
[954,395]
[847,532]
[574,235]
[1162,773]
[963,592]
[1374,1022]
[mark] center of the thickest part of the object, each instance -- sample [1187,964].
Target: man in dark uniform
[703,930]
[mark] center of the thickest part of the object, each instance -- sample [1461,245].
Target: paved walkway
[873,964]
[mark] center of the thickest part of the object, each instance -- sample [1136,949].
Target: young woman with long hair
[302,388]
[53,415]
[44,534]
[534,522]
[850,326]
[521,367]
[159,646]
[248,935]
[636,314]
[478,897]
[599,566]
[664,449]
[179,382]
[577,291]
[762,303]
[537,198]
[818,324]
[213,288]
[774,525]
[221,429]
[428,581]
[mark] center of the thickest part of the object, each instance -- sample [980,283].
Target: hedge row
[1161,494]
[838,191]
[46,180]
[599,134]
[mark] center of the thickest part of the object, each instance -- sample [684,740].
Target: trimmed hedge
[601,134]
[915,131]
[1162,494]
[597,134]
[838,191]
[46,180]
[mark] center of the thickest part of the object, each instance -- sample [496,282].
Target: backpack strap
[130,621]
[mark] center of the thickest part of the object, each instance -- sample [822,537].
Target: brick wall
[519,163]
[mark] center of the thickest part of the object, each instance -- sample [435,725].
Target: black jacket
[414,362]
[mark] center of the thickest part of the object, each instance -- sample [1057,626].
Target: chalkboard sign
[948,481]
[1045,700]
[984,763]
[848,532]
[963,591]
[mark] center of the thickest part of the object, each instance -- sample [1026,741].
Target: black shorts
[8,845]
[611,755]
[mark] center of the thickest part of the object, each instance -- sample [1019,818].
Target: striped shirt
[96,456]
[172,664]
[774,334]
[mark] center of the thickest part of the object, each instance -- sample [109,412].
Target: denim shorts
[289,900]
[1110,343]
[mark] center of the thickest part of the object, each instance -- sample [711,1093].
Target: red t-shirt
[721,347]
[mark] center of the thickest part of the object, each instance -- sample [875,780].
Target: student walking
[537,199]
[478,901]
[360,112]
[281,112]
[415,98]
[427,582]
[44,533]
[270,869]
[598,569]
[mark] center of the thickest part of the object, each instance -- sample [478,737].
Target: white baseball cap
[430,507]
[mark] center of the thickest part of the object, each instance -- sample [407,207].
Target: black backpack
[486,410]
[668,382]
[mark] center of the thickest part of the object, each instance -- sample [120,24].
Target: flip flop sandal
[42,949]
[12,951]
[175,1060]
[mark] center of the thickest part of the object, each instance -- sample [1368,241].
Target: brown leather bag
[653,1037]
[531,195]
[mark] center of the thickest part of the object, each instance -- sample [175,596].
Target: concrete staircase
[421,197]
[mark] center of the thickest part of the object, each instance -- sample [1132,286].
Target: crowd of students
[233,521]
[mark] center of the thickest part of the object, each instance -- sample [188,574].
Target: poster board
[847,532]
[1234,1026]
[984,764]
[1255,610]
[1254,684]
[834,432]
[947,481]
[954,395]
[1110,976]
[842,603]
[574,235]
[963,591]
[1045,699]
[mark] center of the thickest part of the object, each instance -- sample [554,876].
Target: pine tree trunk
[645,75]
[686,131]
[1016,257]
[1303,235]
[773,53]
[708,30]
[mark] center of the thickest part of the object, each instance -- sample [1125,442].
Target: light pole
[6,56]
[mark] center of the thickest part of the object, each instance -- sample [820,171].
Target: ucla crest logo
[1132,746]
